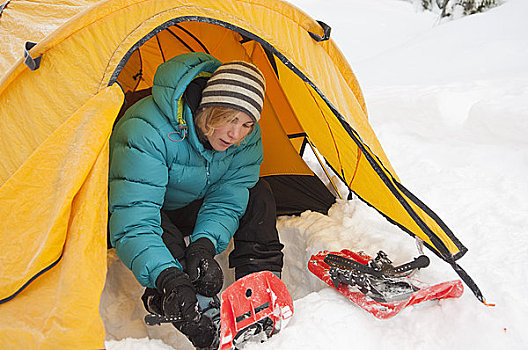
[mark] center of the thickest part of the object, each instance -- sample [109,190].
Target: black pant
[257,244]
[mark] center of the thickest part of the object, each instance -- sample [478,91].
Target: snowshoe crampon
[253,309]
[375,285]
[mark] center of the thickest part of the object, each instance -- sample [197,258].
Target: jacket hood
[173,77]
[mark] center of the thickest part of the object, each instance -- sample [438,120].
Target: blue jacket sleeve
[137,184]
[226,200]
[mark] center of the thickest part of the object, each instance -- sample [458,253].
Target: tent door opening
[294,183]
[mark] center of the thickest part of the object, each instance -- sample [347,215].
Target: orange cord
[485,303]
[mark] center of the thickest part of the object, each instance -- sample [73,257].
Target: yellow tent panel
[53,219]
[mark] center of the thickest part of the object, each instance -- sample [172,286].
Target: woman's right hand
[179,302]
[178,295]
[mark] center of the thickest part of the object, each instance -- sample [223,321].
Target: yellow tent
[65,68]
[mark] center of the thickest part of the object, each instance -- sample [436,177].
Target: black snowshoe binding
[379,279]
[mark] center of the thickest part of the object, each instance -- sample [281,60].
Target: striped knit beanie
[239,85]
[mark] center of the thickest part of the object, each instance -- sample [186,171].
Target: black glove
[178,295]
[152,300]
[178,298]
[202,334]
[204,272]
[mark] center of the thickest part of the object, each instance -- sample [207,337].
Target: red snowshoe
[376,285]
[253,309]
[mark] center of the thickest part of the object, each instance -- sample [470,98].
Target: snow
[448,101]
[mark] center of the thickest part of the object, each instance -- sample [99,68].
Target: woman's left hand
[203,270]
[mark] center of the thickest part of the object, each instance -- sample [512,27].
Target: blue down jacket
[149,170]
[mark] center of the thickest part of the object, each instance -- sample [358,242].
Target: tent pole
[324,169]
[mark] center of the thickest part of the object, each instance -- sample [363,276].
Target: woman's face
[233,132]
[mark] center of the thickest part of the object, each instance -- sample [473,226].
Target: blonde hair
[210,118]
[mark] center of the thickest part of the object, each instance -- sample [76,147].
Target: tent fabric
[53,224]
[56,121]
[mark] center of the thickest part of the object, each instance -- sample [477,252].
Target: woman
[185,162]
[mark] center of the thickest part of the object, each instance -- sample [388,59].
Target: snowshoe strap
[154,319]
[378,270]
[341,262]
[418,263]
